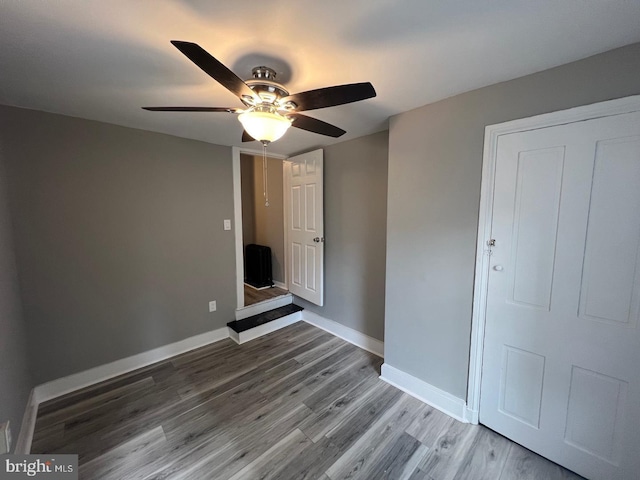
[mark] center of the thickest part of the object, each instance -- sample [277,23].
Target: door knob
[318,239]
[498,268]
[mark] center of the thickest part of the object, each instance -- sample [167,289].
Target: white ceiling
[104,59]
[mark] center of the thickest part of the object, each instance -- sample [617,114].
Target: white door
[561,365]
[305,226]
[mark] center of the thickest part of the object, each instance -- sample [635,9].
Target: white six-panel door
[561,364]
[305,226]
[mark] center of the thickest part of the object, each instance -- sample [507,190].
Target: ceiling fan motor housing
[264,85]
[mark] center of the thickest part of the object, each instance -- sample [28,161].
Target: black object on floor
[257,266]
[248,323]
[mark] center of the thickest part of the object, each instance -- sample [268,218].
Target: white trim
[286,195]
[492,134]
[280,284]
[25,437]
[237,220]
[350,335]
[562,117]
[264,329]
[471,416]
[258,308]
[358,339]
[445,402]
[233,335]
[258,153]
[257,289]
[65,385]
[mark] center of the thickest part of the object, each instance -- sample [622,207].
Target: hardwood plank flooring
[252,296]
[297,404]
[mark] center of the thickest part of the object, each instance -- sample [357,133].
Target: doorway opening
[263,271]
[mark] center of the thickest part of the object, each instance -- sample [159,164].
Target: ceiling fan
[270,109]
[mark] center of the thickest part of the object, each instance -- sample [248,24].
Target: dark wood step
[248,323]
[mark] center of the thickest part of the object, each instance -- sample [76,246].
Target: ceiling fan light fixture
[264,126]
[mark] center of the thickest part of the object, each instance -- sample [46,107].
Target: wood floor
[295,404]
[252,296]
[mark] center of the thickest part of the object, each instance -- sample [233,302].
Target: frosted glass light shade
[264,126]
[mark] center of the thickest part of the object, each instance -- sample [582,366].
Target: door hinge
[490,243]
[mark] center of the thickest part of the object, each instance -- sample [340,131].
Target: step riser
[264,329]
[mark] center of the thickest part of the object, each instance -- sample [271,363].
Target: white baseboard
[445,402]
[472,416]
[359,339]
[25,437]
[257,288]
[233,335]
[280,285]
[258,308]
[65,385]
[261,330]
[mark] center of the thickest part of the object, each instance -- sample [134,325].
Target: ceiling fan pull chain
[265,171]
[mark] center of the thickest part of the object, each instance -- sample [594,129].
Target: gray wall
[435,161]
[247,183]
[270,220]
[119,238]
[355,221]
[261,224]
[15,379]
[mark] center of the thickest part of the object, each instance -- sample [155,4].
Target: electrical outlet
[227,224]
[5,438]
[212,306]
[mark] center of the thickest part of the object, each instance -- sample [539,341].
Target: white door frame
[237,216]
[491,136]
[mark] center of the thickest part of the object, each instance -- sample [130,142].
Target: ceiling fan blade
[215,69]
[247,138]
[194,109]
[314,125]
[331,96]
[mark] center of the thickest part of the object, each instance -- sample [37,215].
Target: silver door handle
[318,239]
